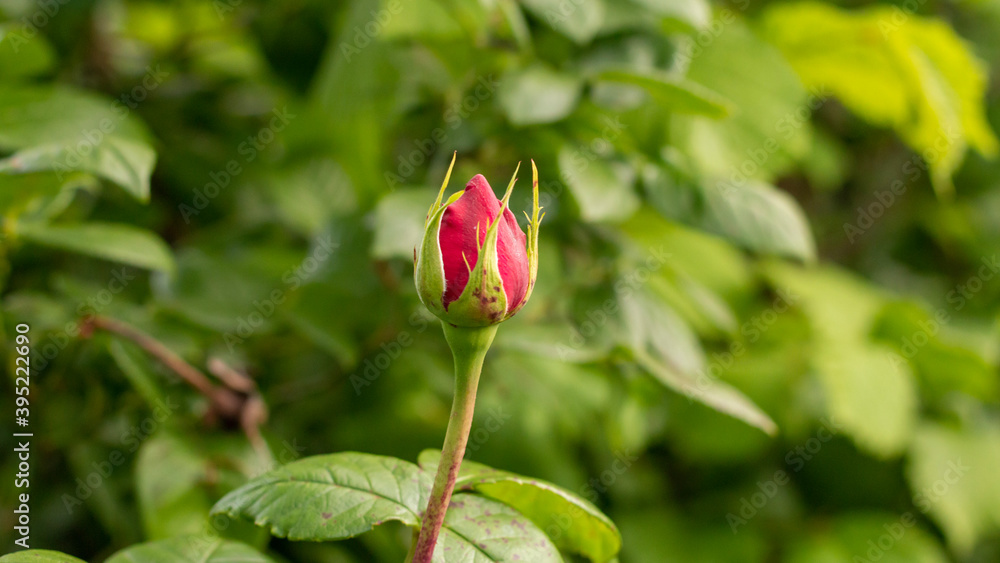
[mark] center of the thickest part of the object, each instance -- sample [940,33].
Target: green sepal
[444,185]
[429,269]
[533,223]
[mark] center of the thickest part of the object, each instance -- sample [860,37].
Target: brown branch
[254,413]
[229,403]
[237,402]
[230,376]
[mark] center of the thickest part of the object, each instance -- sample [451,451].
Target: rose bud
[471,269]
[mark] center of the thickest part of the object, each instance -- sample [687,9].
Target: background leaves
[750,263]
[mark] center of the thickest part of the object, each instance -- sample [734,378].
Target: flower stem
[469,347]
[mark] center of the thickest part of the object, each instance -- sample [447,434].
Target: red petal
[479,206]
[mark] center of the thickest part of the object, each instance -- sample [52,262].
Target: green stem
[469,347]
[413,546]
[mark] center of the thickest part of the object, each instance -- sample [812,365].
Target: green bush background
[761,217]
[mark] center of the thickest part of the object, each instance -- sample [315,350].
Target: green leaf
[839,305]
[574,524]
[693,14]
[190,549]
[603,190]
[39,556]
[856,533]
[538,94]
[715,394]
[870,392]
[753,215]
[943,365]
[347,111]
[481,530]
[665,347]
[63,129]
[338,496]
[117,243]
[709,310]
[952,473]
[168,476]
[331,497]
[650,325]
[913,74]
[215,292]
[677,94]
[41,195]
[126,163]
[309,194]
[579,21]
[716,264]
[423,19]
[551,340]
[869,389]
[34,115]
[319,314]
[766,133]
[658,534]
[399,223]
[178,478]
[22,57]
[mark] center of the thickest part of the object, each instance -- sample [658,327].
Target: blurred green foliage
[765,325]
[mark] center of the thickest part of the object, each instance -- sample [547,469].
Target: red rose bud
[475,266]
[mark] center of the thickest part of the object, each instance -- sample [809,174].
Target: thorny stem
[469,347]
